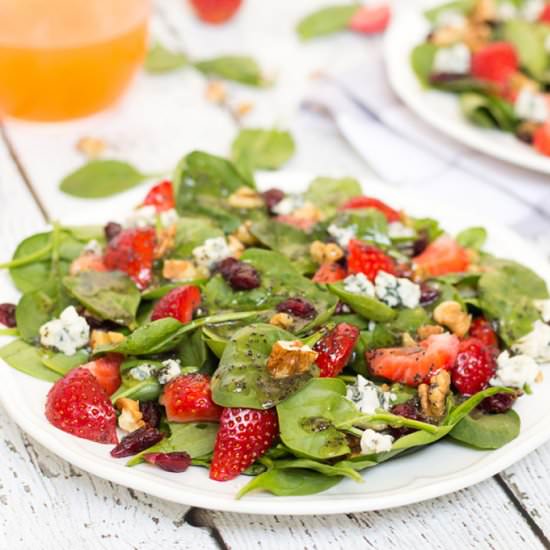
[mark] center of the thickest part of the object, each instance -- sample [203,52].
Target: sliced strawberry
[544,16]
[541,139]
[368,259]
[301,223]
[215,11]
[244,436]
[482,330]
[335,349]
[179,303]
[495,62]
[132,251]
[370,202]
[413,365]
[161,196]
[87,262]
[106,370]
[78,405]
[370,20]
[475,366]
[442,256]
[329,273]
[188,398]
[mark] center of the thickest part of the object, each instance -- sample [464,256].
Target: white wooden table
[47,504]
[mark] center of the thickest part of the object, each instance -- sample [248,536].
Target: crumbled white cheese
[544,308]
[531,105]
[142,372]
[168,217]
[532,9]
[66,334]
[142,217]
[93,247]
[506,11]
[368,397]
[211,252]
[398,230]
[455,59]
[342,235]
[536,344]
[359,284]
[394,291]
[169,370]
[515,371]
[450,18]
[373,442]
[289,204]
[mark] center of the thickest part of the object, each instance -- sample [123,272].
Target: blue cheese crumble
[515,372]
[394,291]
[93,247]
[143,216]
[211,252]
[342,235]
[536,344]
[530,105]
[359,284]
[66,334]
[373,442]
[169,370]
[368,397]
[143,371]
[455,59]
[289,204]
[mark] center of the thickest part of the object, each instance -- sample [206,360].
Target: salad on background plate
[296,338]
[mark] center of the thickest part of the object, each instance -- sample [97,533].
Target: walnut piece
[290,358]
[244,235]
[245,197]
[451,315]
[325,252]
[408,341]
[433,396]
[216,91]
[236,246]
[104,338]
[282,320]
[130,418]
[243,108]
[180,270]
[166,240]
[425,331]
[308,212]
[91,147]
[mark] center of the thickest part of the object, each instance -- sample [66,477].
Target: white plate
[434,471]
[441,109]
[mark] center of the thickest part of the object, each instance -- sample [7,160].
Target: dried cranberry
[112,229]
[151,412]
[443,78]
[170,462]
[421,243]
[7,315]
[498,403]
[409,410]
[341,309]
[137,441]
[428,294]
[297,307]
[272,197]
[239,275]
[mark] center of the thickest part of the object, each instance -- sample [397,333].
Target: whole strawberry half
[215,11]
[495,62]
[475,366]
[132,251]
[356,203]
[161,196]
[368,259]
[244,436]
[179,303]
[106,370]
[329,273]
[188,398]
[483,331]
[370,19]
[77,404]
[444,255]
[335,349]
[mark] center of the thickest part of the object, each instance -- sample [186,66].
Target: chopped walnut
[244,235]
[433,396]
[407,340]
[245,197]
[540,377]
[325,252]
[130,418]
[308,212]
[105,338]
[290,358]
[181,270]
[236,246]
[451,315]
[216,91]
[483,11]
[282,320]
[166,240]
[243,108]
[91,147]
[425,331]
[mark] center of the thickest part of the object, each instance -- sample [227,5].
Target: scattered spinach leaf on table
[238,68]
[160,59]
[326,21]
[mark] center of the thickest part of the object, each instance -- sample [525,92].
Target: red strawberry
[335,349]
[244,436]
[179,303]
[368,259]
[495,62]
[188,398]
[106,371]
[544,16]
[215,11]
[78,405]
[482,330]
[442,256]
[370,20]
[541,139]
[370,202]
[161,196]
[414,365]
[475,366]
[329,273]
[132,251]
[301,223]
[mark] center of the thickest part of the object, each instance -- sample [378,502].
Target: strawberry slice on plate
[370,202]
[329,273]
[132,251]
[413,365]
[368,259]
[188,398]
[244,436]
[495,62]
[335,349]
[77,404]
[475,366]
[482,330]
[106,370]
[370,19]
[444,255]
[179,303]
[215,11]
[161,196]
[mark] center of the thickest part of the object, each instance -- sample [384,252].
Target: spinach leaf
[368,307]
[110,295]
[26,358]
[192,232]
[473,237]
[139,390]
[427,226]
[61,363]
[195,438]
[330,193]
[487,431]
[161,60]
[370,225]
[326,21]
[410,320]
[238,68]
[242,378]
[339,469]
[192,350]
[488,111]
[422,61]
[101,178]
